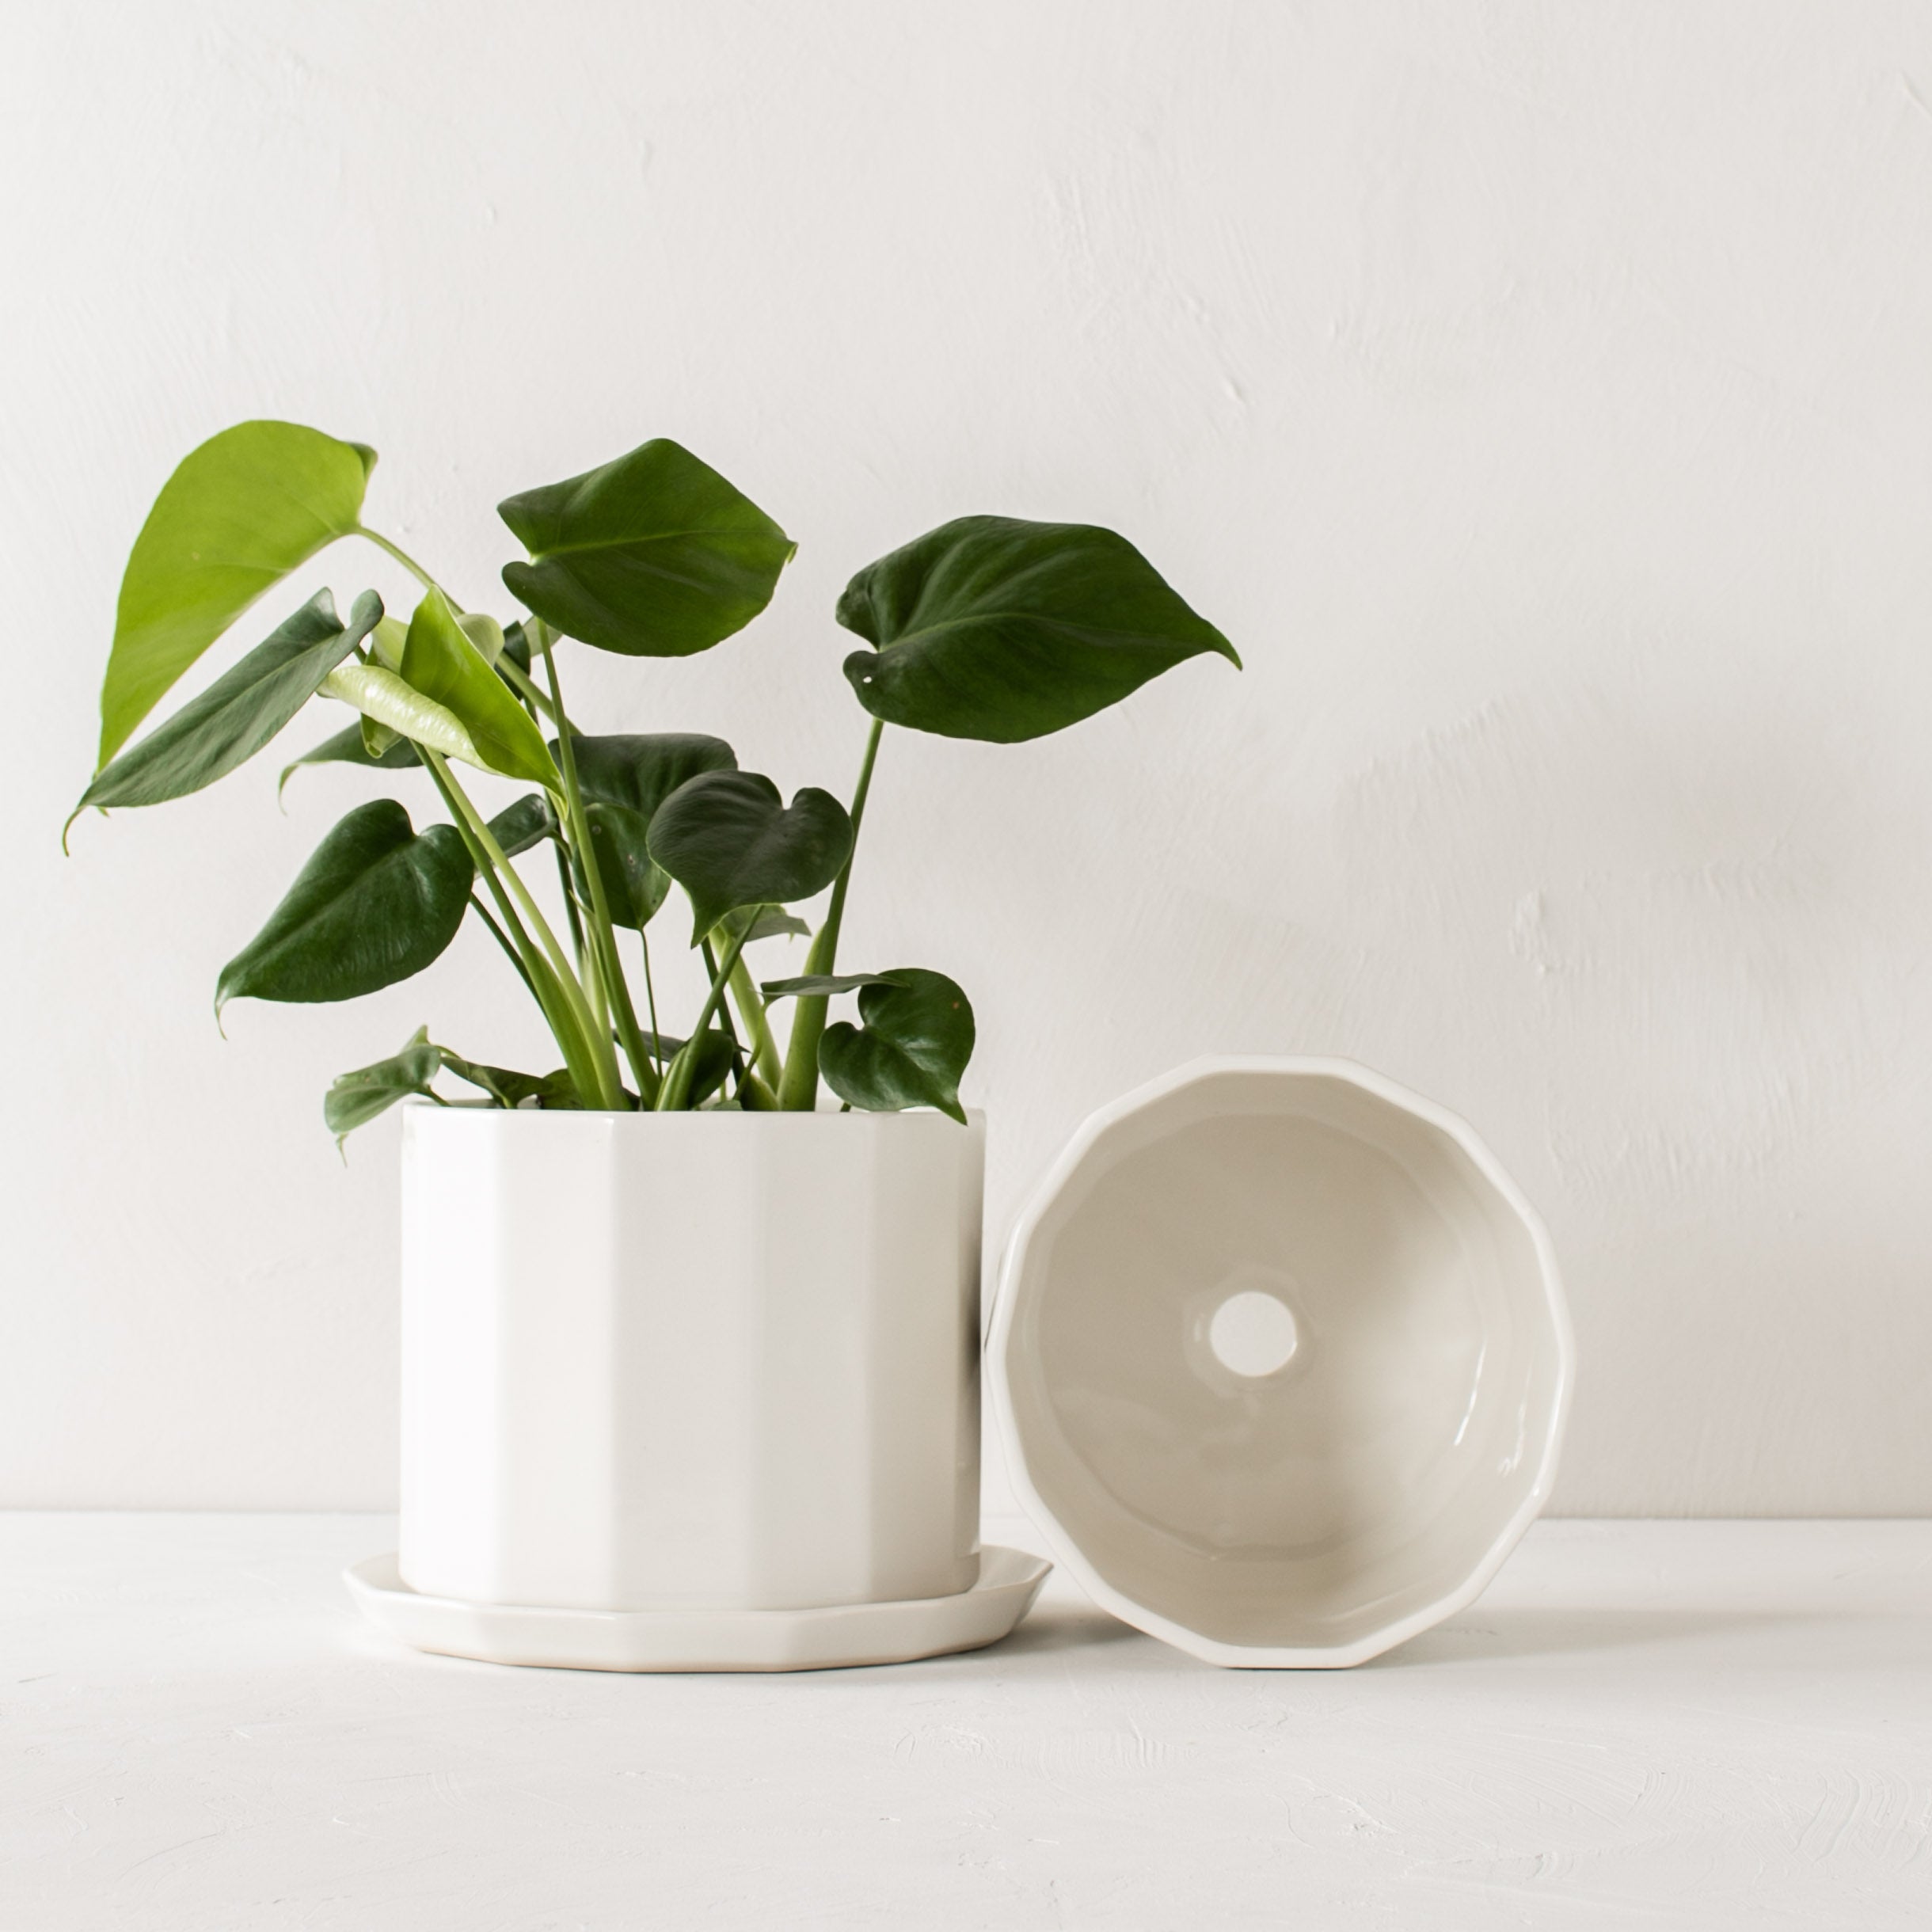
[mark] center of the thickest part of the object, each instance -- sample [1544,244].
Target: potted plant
[677,1330]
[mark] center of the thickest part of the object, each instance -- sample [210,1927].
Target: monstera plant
[987,627]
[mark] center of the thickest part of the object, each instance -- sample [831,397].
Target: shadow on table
[1499,1634]
[1067,1626]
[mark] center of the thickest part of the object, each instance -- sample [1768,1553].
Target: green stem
[602,936]
[403,557]
[798,1090]
[513,673]
[544,988]
[676,1092]
[731,1031]
[503,939]
[650,991]
[607,1089]
[751,1007]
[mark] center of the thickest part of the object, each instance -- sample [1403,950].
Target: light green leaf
[440,662]
[992,628]
[239,513]
[376,902]
[914,1037]
[240,712]
[654,555]
[384,696]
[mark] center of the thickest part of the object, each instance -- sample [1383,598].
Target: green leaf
[913,1039]
[484,632]
[654,555]
[518,827]
[635,884]
[516,648]
[347,748]
[376,902]
[239,513]
[354,1100]
[240,712]
[504,1087]
[729,840]
[441,663]
[825,982]
[624,778]
[767,922]
[996,629]
[397,711]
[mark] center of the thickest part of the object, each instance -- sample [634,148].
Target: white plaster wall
[1539,395]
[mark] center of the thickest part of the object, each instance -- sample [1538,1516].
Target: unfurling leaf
[441,663]
[377,902]
[384,699]
[992,628]
[728,838]
[240,712]
[654,555]
[914,1038]
[240,513]
[354,1100]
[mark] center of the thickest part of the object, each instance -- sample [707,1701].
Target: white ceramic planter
[1281,1361]
[660,1362]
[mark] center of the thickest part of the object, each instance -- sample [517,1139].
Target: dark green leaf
[635,885]
[639,769]
[441,663]
[240,712]
[826,983]
[728,839]
[376,903]
[914,1037]
[624,778]
[654,555]
[767,922]
[347,748]
[516,648]
[528,823]
[504,1087]
[992,628]
[355,1099]
[239,513]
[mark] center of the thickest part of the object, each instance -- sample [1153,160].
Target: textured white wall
[1538,395]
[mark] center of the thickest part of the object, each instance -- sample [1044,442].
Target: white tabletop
[1689,1724]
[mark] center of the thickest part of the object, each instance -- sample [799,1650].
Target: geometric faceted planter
[669,1363]
[1281,1361]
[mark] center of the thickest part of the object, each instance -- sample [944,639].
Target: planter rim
[417,1107]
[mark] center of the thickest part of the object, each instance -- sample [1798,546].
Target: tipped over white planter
[655,1364]
[1282,1361]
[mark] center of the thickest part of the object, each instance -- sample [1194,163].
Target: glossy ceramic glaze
[698,1360]
[841,1634]
[1282,1360]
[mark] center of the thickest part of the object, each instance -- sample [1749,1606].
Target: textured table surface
[1641,1724]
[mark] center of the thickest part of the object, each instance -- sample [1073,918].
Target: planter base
[829,1638]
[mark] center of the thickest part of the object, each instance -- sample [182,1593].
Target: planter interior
[1283,1362]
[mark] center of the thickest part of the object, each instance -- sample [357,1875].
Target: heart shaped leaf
[376,902]
[354,1100]
[240,712]
[347,748]
[624,778]
[729,840]
[996,629]
[440,661]
[238,515]
[654,555]
[913,1039]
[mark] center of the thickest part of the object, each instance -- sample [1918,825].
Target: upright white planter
[689,1362]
